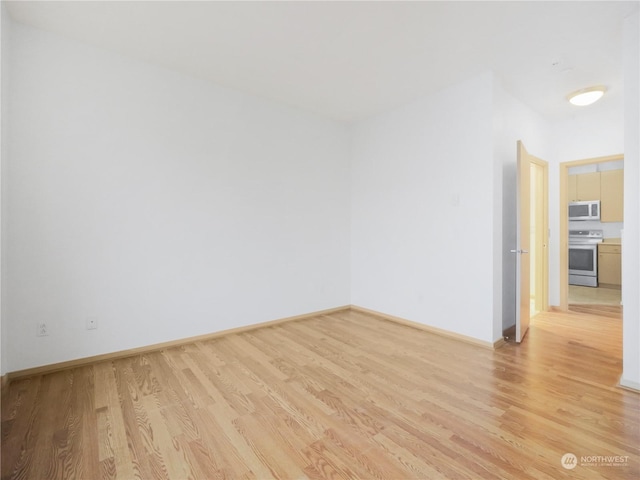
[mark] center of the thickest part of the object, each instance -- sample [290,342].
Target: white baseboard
[79,362]
[628,384]
[430,329]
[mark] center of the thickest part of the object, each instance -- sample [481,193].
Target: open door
[526,268]
[523,227]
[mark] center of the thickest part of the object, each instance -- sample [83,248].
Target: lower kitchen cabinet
[609,264]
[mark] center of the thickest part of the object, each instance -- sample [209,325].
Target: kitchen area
[595,214]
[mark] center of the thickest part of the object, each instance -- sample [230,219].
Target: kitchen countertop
[611,241]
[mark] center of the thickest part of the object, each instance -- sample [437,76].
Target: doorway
[609,251]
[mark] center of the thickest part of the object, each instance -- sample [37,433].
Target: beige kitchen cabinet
[609,264]
[611,196]
[573,188]
[584,186]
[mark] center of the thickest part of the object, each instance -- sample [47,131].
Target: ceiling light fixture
[586,96]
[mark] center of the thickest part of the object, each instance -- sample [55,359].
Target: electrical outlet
[92,323]
[42,329]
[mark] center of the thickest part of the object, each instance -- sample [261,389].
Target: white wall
[589,135]
[631,240]
[4,142]
[162,205]
[422,211]
[512,121]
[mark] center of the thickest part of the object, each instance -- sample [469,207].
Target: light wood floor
[602,295]
[346,395]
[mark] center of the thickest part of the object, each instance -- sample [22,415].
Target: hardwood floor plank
[324,465]
[112,443]
[371,461]
[86,445]
[50,421]
[345,395]
[104,435]
[417,465]
[237,443]
[107,469]
[136,432]
[200,459]
[173,452]
[19,412]
[266,448]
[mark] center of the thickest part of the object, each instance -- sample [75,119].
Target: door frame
[544,261]
[564,220]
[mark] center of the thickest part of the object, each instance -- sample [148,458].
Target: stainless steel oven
[583,257]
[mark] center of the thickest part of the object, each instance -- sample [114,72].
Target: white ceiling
[349,60]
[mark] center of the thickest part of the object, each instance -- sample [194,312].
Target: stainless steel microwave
[589,210]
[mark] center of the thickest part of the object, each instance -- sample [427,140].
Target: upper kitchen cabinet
[611,195]
[573,187]
[584,186]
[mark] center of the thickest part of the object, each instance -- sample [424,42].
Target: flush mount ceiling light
[586,96]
